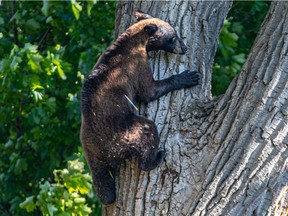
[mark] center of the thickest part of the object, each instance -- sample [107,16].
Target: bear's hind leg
[147,162]
[104,182]
[145,139]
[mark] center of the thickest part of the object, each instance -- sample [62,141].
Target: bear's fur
[110,129]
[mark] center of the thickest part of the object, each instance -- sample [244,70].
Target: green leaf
[76,8]
[4,63]
[75,11]
[45,7]
[15,62]
[75,165]
[31,48]
[32,24]
[237,27]
[90,6]
[28,204]
[61,72]
[34,62]
[1,21]
[45,187]
[59,69]
[51,209]
[49,19]
[37,86]
[9,144]
[240,58]
[37,95]
[86,210]
[16,16]
[79,200]
[51,103]
[20,166]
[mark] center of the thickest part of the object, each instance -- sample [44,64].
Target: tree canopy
[46,50]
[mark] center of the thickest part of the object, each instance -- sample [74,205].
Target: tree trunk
[226,156]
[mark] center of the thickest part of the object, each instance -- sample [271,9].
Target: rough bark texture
[226,156]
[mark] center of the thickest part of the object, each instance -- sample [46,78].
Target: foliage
[46,48]
[69,195]
[236,39]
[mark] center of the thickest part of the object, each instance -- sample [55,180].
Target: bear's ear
[150,29]
[141,15]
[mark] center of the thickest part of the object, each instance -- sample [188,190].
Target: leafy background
[46,50]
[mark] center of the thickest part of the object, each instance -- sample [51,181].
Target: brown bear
[111,131]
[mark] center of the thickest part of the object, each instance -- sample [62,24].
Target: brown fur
[110,130]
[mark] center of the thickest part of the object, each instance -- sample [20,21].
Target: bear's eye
[172,40]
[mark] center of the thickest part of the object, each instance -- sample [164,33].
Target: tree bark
[226,156]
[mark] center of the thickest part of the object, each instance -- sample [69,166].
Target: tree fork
[226,156]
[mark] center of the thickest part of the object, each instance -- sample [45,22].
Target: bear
[111,129]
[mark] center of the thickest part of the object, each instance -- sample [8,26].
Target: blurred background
[46,50]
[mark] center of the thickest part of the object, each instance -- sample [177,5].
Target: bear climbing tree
[225,156]
[111,131]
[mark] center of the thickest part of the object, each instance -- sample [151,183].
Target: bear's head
[161,35]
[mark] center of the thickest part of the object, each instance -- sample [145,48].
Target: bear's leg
[104,182]
[145,141]
[147,163]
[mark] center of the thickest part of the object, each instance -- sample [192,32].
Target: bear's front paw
[189,78]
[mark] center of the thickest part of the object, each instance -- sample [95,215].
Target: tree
[225,156]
